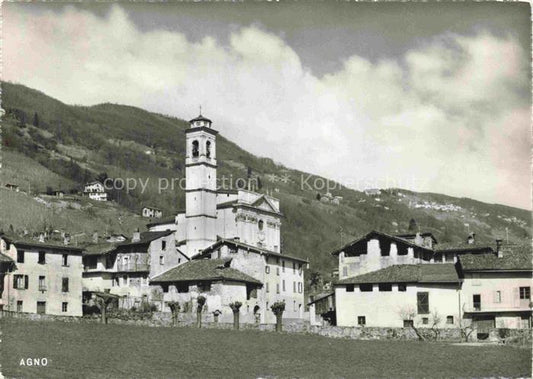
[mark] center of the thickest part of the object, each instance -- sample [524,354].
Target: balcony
[132,267]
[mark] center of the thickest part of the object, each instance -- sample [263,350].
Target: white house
[95,191]
[399,295]
[152,212]
[496,289]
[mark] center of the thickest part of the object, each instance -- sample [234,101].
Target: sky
[428,97]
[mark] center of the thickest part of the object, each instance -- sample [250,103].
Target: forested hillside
[63,146]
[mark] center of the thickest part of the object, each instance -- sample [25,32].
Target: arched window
[195,151]
[208,149]
[261,225]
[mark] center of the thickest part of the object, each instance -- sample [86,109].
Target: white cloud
[450,113]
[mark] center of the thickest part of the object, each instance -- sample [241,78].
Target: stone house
[47,278]
[496,290]
[125,269]
[281,276]
[215,279]
[398,295]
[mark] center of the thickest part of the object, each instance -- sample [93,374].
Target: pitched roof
[163,221]
[99,249]
[321,296]
[47,245]
[413,235]
[379,234]
[463,247]
[419,273]
[146,238]
[5,259]
[205,270]
[514,258]
[254,249]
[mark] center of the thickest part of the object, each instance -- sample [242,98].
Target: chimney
[499,251]
[41,237]
[95,237]
[66,239]
[136,236]
[471,238]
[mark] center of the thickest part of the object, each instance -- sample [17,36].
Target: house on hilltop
[151,212]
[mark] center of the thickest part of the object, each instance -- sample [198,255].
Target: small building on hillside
[47,278]
[218,281]
[95,191]
[398,295]
[496,289]
[114,238]
[152,212]
[12,187]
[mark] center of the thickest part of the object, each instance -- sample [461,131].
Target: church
[232,242]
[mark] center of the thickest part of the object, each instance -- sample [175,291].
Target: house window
[42,258]
[293,267]
[407,323]
[361,320]
[294,287]
[20,256]
[204,287]
[425,320]
[125,280]
[350,288]
[422,302]
[161,259]
[402,287]
[277,270]
[64,285]
[261,224]
[449,320]
[283,285]
[525,293]
[498,296]
[182,287]
[64,307]
[267,269]
[163,245]
[365,287]
[300,287]
[294,306]
[65,259]
[438,257]
[385,287]
[165,288]
[20,282]
[277,287]
[267,288]
[41,307]
[19,305]
[476,300]
[449,257]
[42,283]
[283,266]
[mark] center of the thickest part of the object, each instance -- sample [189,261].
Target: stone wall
[164,319]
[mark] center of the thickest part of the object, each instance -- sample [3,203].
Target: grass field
[117,351]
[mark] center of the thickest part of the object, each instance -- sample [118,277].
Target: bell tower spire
[201,183]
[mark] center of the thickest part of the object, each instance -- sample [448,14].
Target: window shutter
[516,296]
[14,281]
[26,281]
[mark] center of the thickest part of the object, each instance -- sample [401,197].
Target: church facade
[242,228]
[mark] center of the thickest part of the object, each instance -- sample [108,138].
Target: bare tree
[409,314]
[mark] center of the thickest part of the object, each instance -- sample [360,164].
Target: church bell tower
[201,185]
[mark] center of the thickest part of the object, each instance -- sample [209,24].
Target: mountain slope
[78,144]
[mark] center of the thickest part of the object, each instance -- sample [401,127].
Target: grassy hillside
[76,144]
